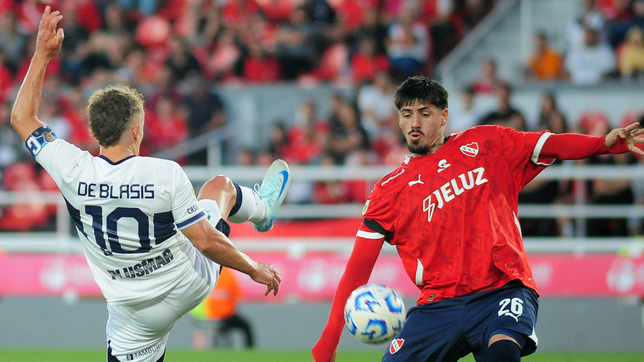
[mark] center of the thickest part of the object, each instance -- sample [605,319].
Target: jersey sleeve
[55,155]
[522,152]
[378,214]
[185,209]
[572,146]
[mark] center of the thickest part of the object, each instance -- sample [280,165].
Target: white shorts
[139,332]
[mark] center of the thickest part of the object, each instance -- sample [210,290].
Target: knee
[217,185]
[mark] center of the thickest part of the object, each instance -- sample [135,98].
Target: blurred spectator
[606,192]
[615,10]
[237,13]
[630,54]
[226,60]
[30,213]
[376,104]
[334,64]
[277,139]
[12,43]
[547,110]
[592,62]
[590,16]
[346,133]
[465,116]
[338,192]
[164,126]
[407,43]
[308,137]
[277,11]
[445,27]
[6,78]
[221,306]
[366,61]
[472,12]
[546,191]
[488,80]
[505,114]
[295,44]
[245,157]
[205,109]
[50,113]
[181,61]
[205,112]
[74,105]
[545,64]
[12,148]
[617,29]
[259,65]
[373,27]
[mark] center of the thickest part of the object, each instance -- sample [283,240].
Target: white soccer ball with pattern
[374,313]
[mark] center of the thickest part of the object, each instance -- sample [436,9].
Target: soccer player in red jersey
[451,211]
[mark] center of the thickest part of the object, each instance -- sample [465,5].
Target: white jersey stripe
[369,235]
[537,150]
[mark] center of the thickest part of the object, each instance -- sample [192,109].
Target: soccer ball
[374,313]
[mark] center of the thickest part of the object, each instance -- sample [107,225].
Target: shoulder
[391,180]
[161,168]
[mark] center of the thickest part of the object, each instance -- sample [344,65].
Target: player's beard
[423,149]
[418,149]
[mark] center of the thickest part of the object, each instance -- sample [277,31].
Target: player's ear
[444,115]
[137,131]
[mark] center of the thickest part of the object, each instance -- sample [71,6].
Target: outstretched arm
[572,146]
[217,247]
[48,44]
[361,262]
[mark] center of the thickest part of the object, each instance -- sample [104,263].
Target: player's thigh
[142,328]
[511,311]
[431,333]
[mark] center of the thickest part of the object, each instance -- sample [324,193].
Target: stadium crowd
[176,51]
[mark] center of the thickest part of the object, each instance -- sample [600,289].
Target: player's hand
[266,274]
[50,39]
[630,134]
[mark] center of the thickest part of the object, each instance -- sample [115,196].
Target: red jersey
[453,215]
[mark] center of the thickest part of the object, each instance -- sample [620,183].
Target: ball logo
[396,345]
[470,149]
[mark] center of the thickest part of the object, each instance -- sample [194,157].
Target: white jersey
[128,216]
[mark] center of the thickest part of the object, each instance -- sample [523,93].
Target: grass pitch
[61,355]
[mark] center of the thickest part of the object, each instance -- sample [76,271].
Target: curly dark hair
[111,110]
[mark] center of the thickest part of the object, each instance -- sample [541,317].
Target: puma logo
[411,183]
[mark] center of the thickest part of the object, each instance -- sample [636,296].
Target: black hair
[420,89]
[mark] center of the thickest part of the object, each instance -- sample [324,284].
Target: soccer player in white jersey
[154,250]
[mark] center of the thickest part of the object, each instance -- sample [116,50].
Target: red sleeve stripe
[537,150]
[369,235]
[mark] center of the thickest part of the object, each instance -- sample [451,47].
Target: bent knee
[217,186]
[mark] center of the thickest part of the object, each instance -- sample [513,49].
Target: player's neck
[118,152]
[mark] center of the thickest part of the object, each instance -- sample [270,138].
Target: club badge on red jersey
[470,149]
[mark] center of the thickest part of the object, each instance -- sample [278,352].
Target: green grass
[173,355]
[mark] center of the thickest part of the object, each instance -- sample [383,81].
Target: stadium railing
[64,238]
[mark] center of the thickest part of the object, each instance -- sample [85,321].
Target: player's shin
[249,206]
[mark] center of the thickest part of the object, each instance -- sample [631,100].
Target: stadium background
[592,281]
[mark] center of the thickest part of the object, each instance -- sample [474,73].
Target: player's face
[422,124]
